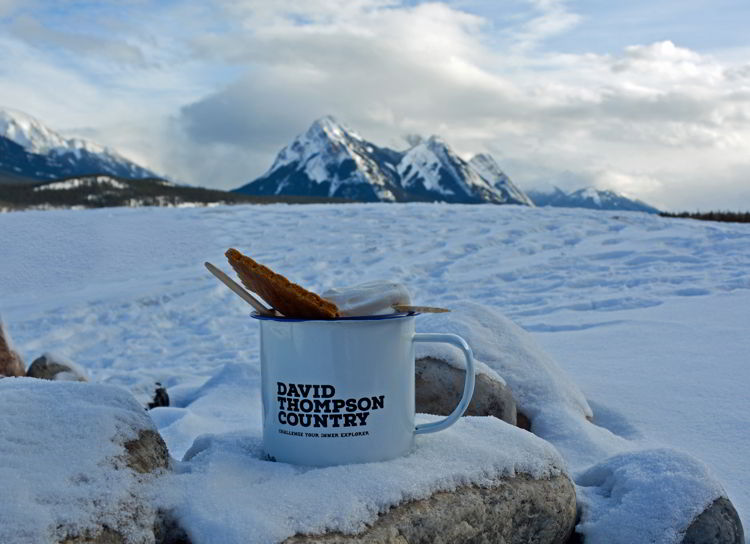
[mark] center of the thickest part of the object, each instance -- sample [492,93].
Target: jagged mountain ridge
[486,166]
[31,152]
[330,160]
[591,198]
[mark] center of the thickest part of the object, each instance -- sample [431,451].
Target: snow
[654,487]
[88,181]
[35,137]
[641,319]
[424,163]
[236,496]
[592,194]
[421,164]
[326,145]
[53,475]
[485,165]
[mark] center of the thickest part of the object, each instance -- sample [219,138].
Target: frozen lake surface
[647,315]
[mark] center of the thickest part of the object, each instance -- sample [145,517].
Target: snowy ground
[647,315]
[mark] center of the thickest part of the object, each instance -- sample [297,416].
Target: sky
[651,99]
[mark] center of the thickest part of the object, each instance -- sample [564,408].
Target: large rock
[78,463]
[480,480]
[517,510]
[657,495]
[11,363]
[439,386]
[53,367]
[717,524]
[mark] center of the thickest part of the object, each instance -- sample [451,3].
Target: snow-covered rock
[30,150]
[77,464]
[331,160]
[54,367]
[651,496]
[225,491]
[537,382]
[514,510]
[620,483]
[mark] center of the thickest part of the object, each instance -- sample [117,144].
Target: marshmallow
[371,298]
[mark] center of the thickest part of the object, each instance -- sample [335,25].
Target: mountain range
[327,163]
[30,152]
[591,198]
[331,160]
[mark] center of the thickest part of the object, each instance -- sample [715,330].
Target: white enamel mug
[342,391]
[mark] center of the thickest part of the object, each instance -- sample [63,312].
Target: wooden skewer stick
[420,309]
[237,288]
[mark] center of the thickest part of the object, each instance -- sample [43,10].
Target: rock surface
[147,453]
[717,524]
[51,367]
[11,363]
[161,397]
[517,510]
[439,386]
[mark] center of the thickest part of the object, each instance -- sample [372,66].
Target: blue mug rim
[256,315]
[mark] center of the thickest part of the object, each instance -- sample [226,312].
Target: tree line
[729,217]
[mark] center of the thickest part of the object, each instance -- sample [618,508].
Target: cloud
[552,17]
[209,92]
[623,121]
[32,31]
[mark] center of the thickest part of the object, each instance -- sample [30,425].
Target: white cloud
[617,120]
[657,120]
[552,17]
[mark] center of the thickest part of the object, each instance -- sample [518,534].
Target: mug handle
[460,343]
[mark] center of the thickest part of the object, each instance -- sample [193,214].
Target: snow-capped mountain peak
[35,137]
[594,195]
[328,127]
[433,166]
[324,135]
[420,168]
[331,160]
[590,197]
[29,150]
[328,159]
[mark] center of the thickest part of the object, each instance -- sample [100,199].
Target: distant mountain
[596,199]
[105,191]
[330,160]
[30,152]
